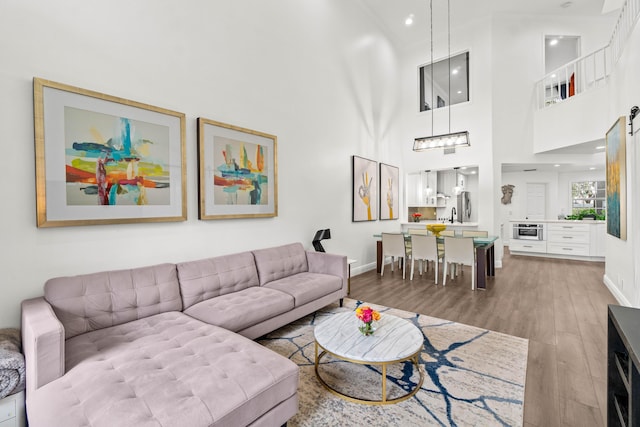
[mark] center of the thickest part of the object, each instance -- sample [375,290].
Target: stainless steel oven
[528,231]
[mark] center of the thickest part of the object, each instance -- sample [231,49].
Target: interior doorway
[536,200]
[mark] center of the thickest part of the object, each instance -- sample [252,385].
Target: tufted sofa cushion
[207,278]
[281,261]
[306,287]
[164,370]
[93,301]
[239,310]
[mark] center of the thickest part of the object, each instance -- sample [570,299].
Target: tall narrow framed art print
[101,159]
[389,189]
[364,182]
[238,172]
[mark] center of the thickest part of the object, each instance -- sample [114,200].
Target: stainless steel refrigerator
[464,207]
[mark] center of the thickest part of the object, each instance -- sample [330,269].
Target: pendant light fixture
[447,140]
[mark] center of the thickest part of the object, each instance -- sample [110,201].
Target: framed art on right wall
[617,180]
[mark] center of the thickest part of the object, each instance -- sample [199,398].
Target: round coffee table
[395,340]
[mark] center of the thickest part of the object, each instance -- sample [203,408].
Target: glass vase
[367,328]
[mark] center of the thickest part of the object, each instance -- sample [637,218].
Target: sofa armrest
[42,343]
[336,265]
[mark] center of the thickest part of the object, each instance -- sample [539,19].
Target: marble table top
[394,339]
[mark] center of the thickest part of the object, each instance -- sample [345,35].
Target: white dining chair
[459,250]
[475,233]
[393,246]
[422,231]
[425,248]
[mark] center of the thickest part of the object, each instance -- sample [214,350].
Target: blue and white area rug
[473,377]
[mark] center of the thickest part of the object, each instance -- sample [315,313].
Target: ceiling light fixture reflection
[553,42]
[451,139]
[409,21]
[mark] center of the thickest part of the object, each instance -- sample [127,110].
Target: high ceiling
[392,14]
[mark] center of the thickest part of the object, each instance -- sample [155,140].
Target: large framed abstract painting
[364,189]
[389,189]
[238,172]
[617,180]
[106,160]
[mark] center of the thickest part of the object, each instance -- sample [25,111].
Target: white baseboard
[622,300]
[363,268]
[371,266]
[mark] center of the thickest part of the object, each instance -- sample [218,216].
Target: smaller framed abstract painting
[237,170]
[617,180]
[106,160]
[364,189]
[389,189]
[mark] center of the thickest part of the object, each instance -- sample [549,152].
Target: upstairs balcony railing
[575,77]
[589,71]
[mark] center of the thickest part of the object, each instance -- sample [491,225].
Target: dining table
[485,256]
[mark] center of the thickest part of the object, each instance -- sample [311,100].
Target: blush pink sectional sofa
[171,344]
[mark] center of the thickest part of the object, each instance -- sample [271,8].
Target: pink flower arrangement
[367,316]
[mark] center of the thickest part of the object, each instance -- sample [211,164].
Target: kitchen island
[571,239]
[456,226]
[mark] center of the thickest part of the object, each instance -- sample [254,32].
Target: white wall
[517,209]
[318,75]
[518,63]
[473,116]
[622,273]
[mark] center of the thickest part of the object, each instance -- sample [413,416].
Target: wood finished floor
[559,305]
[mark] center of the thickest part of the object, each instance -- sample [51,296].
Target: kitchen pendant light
[447,140]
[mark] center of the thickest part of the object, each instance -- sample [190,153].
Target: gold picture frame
[101,159]
[237,171]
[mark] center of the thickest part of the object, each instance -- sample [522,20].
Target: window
[587,196]
[459,82]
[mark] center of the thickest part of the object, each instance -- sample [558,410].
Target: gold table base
[384,400]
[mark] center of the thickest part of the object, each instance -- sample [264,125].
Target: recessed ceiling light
[600,147]
[463,167]
[409,21]
[553,42]
[455,71]
[592,168]
[459,92]
[556,165]
[553,76]
[473,172]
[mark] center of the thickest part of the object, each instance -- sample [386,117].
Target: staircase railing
[589,71]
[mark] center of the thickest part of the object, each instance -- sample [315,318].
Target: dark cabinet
[623,365]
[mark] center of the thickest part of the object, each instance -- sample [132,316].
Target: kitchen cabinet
[446,182]
[421,189]
[623,366]
[461,181]
[562,239]
[534,246]
[597,241]
[569,239]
